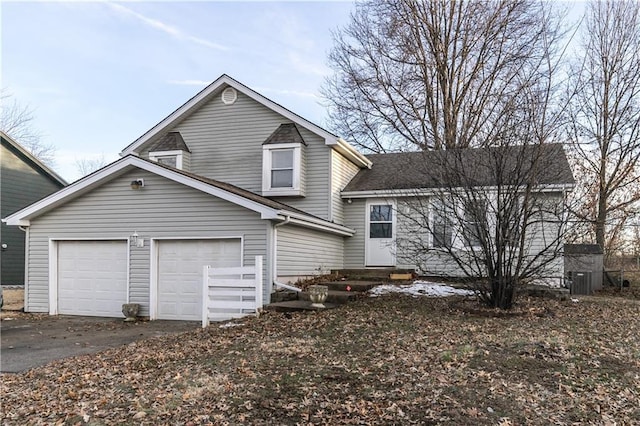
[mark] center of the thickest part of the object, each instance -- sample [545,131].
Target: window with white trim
[441,229]
[281,170]
[475,222]
[168,158]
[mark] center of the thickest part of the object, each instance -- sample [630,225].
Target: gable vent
[229,95]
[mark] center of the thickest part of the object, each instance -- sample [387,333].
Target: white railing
[231,292]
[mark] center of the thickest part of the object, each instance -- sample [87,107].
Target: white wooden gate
[231,292]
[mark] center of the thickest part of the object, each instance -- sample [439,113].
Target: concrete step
[353,286]
[297,306]
[370,274]
[283,296]
[334,296]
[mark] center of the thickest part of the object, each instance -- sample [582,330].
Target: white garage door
[180,266]
[92,278]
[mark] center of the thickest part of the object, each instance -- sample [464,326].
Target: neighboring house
[23,180]
[226,177]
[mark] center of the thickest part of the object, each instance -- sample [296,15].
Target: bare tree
[86,166]
[605,119]
[448,76]
[16,120]
[494,216]
[435,74]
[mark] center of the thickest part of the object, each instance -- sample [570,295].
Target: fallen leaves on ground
[388,360]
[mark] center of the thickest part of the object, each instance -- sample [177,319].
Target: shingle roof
[582,249]
[172,141]
[236,190]
[477,166]
[285,133]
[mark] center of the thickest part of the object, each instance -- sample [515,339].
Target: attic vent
[229,95]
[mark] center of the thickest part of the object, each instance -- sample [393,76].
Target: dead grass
[387,360]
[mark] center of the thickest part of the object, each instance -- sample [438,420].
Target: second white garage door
[180,264]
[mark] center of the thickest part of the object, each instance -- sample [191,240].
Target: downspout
[25,229]
[274,265]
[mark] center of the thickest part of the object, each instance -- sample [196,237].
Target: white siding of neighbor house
[305,252]
[226,144]
[161,209]
[342,171]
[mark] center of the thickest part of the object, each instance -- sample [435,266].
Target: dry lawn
[388,360]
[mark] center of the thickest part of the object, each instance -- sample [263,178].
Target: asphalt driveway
[31,340]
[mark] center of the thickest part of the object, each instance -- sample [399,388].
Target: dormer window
[171,150]
[282,163]
[168,158]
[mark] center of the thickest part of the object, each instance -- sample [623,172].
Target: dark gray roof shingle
[582,249]
[235,190]
[285,133]
[464,167]
[172,141]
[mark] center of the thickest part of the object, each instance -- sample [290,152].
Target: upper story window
[282,170]
[283,162]
[169,158]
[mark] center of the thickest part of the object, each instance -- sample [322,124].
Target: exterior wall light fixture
[137,183]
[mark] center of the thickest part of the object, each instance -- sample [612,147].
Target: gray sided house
[23,180]
[226,177]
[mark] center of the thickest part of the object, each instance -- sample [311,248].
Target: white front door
[380,240]
[180,264]
[92,278]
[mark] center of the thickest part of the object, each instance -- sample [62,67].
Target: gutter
[320,224]
[424,192]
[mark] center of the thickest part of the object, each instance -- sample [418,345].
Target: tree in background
[86,166]
[436,74]
[17,121]
[604,121]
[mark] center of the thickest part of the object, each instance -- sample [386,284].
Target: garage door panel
[180,264]
[92,277]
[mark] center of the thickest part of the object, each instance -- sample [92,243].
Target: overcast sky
[98,75]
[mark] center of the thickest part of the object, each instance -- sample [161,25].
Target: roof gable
[216,88]
[32,161]
[267,208]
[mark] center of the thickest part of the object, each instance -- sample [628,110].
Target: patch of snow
[421,288]
[231,324]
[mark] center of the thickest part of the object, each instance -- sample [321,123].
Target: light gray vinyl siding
[139,275]
[355,218]
[226,145]
[342,171]
[303,251]
[20,185]
[540,236]
[162,209]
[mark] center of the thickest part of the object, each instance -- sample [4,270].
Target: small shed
[583,266]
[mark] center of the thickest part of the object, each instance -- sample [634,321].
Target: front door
[380,241]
